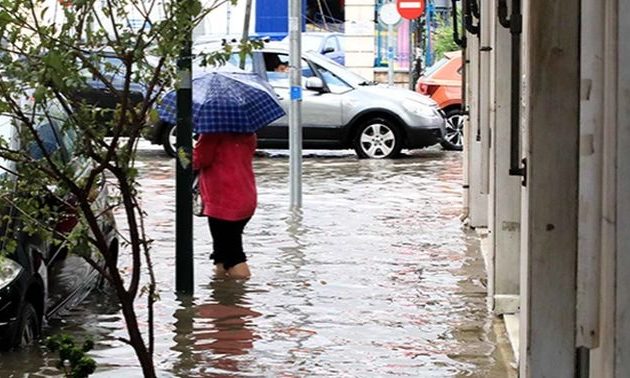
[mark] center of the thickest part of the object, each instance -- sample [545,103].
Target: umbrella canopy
[225,101]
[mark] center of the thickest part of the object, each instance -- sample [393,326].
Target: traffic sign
[387,14]
[410,9]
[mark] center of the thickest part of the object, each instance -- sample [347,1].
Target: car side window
[334,83]
[54,136]
[112,66]
[331,44]
[50,138]
[235,59]
[277,69]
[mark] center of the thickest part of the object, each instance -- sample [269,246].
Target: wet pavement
[376,277]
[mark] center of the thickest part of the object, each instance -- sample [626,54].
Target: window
[235,59]
[55,136]
[331,44]
[277,68]
[334,83]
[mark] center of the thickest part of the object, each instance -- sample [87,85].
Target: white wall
[359,37]
[227,20]
[548,289]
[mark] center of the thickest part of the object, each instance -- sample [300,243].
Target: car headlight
[418,108]
[9,271]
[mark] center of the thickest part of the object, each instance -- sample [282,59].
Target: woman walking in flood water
[228,190]
[228,107]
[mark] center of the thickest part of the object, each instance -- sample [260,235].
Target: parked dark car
[97,94]
[340,109]
[40,280]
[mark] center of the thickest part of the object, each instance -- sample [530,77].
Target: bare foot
[219,271]
[239,271]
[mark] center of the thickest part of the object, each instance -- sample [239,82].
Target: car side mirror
[328,50]
[315,84]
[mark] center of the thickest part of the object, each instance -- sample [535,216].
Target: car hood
[399,93]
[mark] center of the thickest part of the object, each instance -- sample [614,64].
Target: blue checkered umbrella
[236,102]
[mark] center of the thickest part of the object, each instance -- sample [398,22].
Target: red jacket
[226,182]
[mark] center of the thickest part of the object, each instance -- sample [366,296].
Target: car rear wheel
[454,137]
[28,329]
[169,140]
[377,138]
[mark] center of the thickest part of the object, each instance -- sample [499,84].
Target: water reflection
[209,335]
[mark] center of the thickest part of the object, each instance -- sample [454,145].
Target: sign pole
[295,109]
[184,281]
[388,15]
[390,55]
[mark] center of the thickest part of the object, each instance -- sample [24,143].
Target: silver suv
[340,109]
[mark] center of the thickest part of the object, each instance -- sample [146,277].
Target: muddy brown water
[375,277]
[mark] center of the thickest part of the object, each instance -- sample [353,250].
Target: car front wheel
[169,140]
[454,137]
[377,138]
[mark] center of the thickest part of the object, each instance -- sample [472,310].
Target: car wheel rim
[172,138]
[455,130]
[28,334]
[378,141]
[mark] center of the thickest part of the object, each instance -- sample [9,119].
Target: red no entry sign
[410,9]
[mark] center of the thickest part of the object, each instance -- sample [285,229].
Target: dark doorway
[325,14]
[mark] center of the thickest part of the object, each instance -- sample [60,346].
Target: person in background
[228,190]
[282,67]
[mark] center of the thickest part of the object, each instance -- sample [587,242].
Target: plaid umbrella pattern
[227,102]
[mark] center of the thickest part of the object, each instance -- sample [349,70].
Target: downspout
[472,12]
[515,24]
[469,17]
[468,26]
[462,42]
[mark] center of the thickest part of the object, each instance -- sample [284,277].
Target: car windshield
[429,71]
[342,72]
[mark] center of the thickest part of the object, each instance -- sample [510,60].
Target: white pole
[295,110]
[390,55]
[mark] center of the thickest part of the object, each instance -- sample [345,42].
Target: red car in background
[443,83]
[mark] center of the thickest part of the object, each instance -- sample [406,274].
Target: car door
[321,112]
[69,276]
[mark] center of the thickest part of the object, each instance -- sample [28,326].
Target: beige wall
[359,40]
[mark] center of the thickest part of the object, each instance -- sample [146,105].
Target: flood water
[376,277]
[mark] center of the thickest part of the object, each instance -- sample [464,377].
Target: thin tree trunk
[136,340]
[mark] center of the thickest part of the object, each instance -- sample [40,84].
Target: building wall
[359,41]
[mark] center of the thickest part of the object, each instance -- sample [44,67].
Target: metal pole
[183,194]
[229,19]
[245,36]
[428,59]
[295,110]
[390,55]
[411,53]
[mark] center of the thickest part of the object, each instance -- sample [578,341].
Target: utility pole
[295,110]
[184,280]
[390,55]
[245,36]
[410,59]
[428,54]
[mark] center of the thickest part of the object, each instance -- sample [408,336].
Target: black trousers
[227,241]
